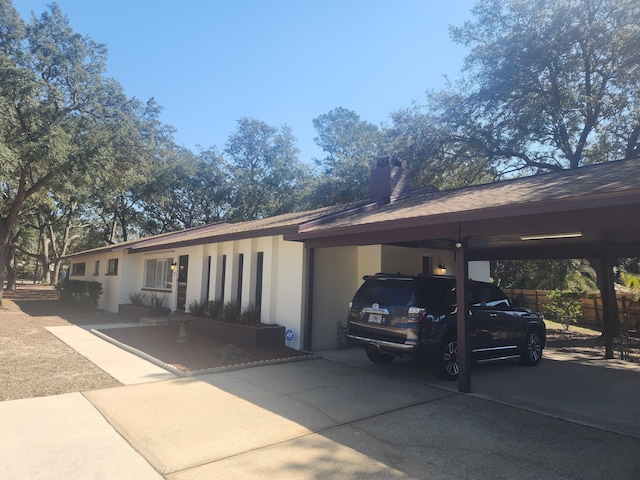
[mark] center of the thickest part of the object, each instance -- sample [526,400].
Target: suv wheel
[379,357]
[447,362]
[532,350]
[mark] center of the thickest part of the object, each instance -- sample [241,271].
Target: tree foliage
[547,85]
[571,274]
[52,98]
[433,154]
[263,169]
[351,145]
[185,191]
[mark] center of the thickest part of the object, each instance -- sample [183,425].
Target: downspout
[307,327]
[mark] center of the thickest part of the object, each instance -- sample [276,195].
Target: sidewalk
[125,367]
[64,437]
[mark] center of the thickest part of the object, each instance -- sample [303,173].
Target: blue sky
[211,62]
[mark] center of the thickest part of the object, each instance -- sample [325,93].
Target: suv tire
[447,361]
[532,348]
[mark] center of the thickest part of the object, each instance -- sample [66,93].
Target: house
[302,268]
[254,263]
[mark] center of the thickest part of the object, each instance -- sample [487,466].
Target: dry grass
[587,341]
[35,363]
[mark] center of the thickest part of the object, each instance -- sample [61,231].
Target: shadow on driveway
[330,419]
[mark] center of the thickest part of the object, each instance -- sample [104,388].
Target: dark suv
[398,315]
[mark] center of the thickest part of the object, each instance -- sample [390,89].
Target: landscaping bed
[200,352]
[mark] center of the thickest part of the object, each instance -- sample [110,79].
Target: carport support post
[609,305]
[464,330]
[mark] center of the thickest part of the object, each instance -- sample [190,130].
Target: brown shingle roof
[218,232]
[471,202]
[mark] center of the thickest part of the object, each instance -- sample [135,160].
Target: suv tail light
[416,314]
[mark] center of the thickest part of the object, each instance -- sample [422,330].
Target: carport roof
[601,203]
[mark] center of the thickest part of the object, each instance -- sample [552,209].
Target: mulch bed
[200,352]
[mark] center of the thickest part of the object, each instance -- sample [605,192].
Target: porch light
[441,270]
[173,267]
[551,236]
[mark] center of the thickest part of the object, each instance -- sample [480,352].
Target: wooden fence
[536,300]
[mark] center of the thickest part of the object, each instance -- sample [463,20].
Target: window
[112,267]
[387,292]
[77,269]
[259,270]
[223,278]
[97,269]
[240,269]
[157,273]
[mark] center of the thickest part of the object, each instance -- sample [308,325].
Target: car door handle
[493,314]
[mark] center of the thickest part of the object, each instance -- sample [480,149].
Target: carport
[591,212]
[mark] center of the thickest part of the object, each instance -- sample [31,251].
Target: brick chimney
[390,180]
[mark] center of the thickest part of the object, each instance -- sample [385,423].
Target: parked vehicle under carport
[404,315]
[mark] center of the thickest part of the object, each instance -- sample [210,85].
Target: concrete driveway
[583,389]
[332,418]
[324,419]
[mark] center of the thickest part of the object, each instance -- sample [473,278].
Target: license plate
[375,318]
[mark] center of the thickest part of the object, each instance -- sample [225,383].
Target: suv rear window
[435,292]
[385,292]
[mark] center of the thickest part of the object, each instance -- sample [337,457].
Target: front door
[183,268]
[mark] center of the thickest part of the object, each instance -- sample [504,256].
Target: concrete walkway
[127,368]
[316,419]
[64,437]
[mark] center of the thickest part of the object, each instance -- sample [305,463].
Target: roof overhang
[603,225]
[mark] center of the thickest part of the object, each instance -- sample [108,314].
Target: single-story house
[302,268]
[255,263]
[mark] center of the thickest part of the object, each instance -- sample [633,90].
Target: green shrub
[230,352]
[215,308]
[231,312]
[251,314]
[197,308]
[137,298]
[565,306]
[81,292]
[156,300]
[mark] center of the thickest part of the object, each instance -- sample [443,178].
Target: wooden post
[464,330]
[609,305]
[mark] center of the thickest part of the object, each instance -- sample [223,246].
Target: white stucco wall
[132,276]
[111,284]
[335,274]
[338,273]
[480,271]
[409,261]
[287,287]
